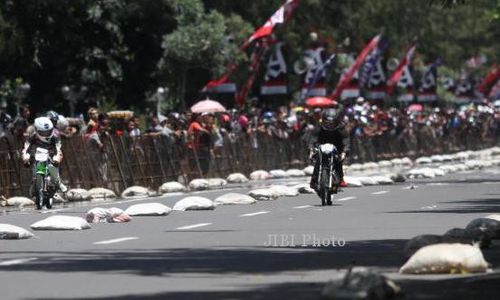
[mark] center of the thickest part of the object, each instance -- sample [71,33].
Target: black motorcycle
[328,179]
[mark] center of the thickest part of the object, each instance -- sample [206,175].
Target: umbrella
[207,105]
[320,102]
[415,108]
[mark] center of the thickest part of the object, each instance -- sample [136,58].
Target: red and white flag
[402,69]
[280,16]
[354,67]
[376,83]
[490,79]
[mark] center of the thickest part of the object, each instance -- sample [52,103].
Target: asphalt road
[283,249]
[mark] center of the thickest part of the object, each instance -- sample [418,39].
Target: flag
[275,77]
[354,67]
[428,87]
[255,61]
[464,91]
[317,73]
[402,70]
[371,61]
[407,84]
[280,16]
[490,79]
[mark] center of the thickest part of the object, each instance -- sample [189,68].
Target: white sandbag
[172,187]
[148,209]
[309,170]
[353,181]
[462,156]
[58,198]
[445,259]
[199,184]
[283,190]
[278,174]
[447,157]
[385,164]
[383,179]
[61,223]
[16,201]
[437,158]
[237,178]
[264,194]
[495,151]
[397,161]
[425,173]
[303,188]
[234,198]
[12,232]
[260,175]
[214,183]
[101,193]
[194,203]
[367,180]
[107,215]
[424,160]
[295,173]
[134,192]
[78,195]
[406,161]
[370,165]
[356,167]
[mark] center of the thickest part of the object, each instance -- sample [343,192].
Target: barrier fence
[152,160]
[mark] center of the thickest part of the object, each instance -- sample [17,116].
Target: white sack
[135,192]
[234,198]
[264,194]
[216,182]
[383,179]
[278,174]
[148,209]
[406,161]
[309,170]
[283,190]
[101,193]
[107,215]
[367,180]
[78,195]
[194,203]
[385,164]
[353,181]
[260,175]
[445,259]
[295,173]
[16,201]
[303,188]
[424,160]
[199,184]
[12,232]
[172,187]
[61,223]
[237,178]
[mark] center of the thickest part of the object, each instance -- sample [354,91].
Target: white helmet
[44,128]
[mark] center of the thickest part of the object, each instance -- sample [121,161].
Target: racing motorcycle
[328,179]
[44,186]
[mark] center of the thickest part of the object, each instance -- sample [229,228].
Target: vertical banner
[464,91]
[376,88]
[255,61]
[276,73]
[401,76]
[313,83]
[427,92]
[407,84]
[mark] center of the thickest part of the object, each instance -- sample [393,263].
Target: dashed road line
[116,240]
[17,261]
[303,206]
[345,199]
[193,226]
[255,213]
[380,192]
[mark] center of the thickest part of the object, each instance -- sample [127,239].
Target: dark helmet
[330,119]
[53,116]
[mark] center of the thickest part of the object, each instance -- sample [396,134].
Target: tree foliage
[121,51]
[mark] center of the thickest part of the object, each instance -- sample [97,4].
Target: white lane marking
[17,261]
[255,213]
[116,240]
[430,207]
[53,211]
[303,206]
[215,190]
[490,182]
[438,184]
[345,199]
[380,193]
[193,226]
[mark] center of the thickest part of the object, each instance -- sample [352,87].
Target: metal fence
[152,160]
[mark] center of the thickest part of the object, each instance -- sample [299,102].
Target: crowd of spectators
[376,132]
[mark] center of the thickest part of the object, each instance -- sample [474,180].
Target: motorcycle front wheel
[326,192]
[39,196]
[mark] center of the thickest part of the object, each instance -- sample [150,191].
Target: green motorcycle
[44,186]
